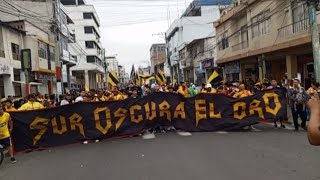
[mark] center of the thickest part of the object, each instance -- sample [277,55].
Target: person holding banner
[115,96]
[242,92]
[183,90]
[32,104]
[6,126]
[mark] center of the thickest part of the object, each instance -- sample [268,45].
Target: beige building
[265,39]
[197,60]
[157,57]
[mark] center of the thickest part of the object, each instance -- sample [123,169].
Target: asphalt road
[267,155]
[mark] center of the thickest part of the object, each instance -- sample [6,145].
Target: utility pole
[312,8]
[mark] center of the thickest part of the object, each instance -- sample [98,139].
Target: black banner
[99,120]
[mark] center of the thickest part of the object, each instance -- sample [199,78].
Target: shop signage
[232,68]
[208,64]
[43,76]
[4,68]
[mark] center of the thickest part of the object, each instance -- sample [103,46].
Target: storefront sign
[232,68]
[42,76]
[208,64]
[4,68]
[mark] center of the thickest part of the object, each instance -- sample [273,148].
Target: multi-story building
[195,23]
[157,57]
[112,64]
[38,17]
[122,74]
[17,36]
[86,48]
[265,39]
[198,60]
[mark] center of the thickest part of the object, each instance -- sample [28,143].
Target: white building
[87,48]
[195,23]
[113,64]
[41,19]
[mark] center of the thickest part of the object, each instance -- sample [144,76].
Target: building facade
[48,17]
[195,23]
[269,39]
[113,64]
[86,48]
[157,57]
[197,60]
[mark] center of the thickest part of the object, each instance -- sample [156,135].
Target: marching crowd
[297,98]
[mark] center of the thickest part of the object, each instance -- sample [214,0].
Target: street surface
[273,154]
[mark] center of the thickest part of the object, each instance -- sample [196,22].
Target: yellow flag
[214,77]
[67,91]
[86,88]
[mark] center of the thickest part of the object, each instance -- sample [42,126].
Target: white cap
[208,85]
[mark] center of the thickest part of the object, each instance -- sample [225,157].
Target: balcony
[239,46]
[295,28]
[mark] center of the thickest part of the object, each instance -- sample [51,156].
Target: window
[87,15]
[64,43]
[68,2]
[91,59]
[90,44]
[299,16]
[17,86]
[88,30]
[224,42]
[73,37]
[42,50]
[51,53]
[90,15]
[15,51]
[261,24]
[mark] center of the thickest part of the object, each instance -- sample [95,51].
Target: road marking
[184,133]
[221,132]
[148,135]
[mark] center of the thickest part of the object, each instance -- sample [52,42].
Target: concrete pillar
[8,86]
[86,78]
[68,77]
[23,86]
[292,66]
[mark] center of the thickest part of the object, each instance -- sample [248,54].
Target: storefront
[305,69]
[232,71]
[200,75]
[208,66]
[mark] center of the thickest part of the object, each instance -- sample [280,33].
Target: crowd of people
[296,94]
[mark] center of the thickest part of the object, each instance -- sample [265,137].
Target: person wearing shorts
[5,129]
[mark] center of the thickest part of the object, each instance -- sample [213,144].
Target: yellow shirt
[99,99]
[4,125]
[242,94]
[118,97]
[211,92]
[31,106]
[11,109]
[184,92]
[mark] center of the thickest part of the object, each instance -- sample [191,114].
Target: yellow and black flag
[146,77]
[215,78]
[161,78]
[137,80]
[113,78]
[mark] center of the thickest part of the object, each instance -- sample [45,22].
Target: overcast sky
[129,26]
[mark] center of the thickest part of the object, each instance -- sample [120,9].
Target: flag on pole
[137,80]
[215,78]
[113,78]
[133,72]
[161,78]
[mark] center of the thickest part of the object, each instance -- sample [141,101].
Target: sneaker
[283,126]
[13,160]
[253,129]
[184,133]
[85,142]
[97,140]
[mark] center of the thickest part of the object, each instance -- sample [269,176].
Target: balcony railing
[297,27]
[242,45]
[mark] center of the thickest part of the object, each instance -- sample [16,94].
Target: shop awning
[35,83]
